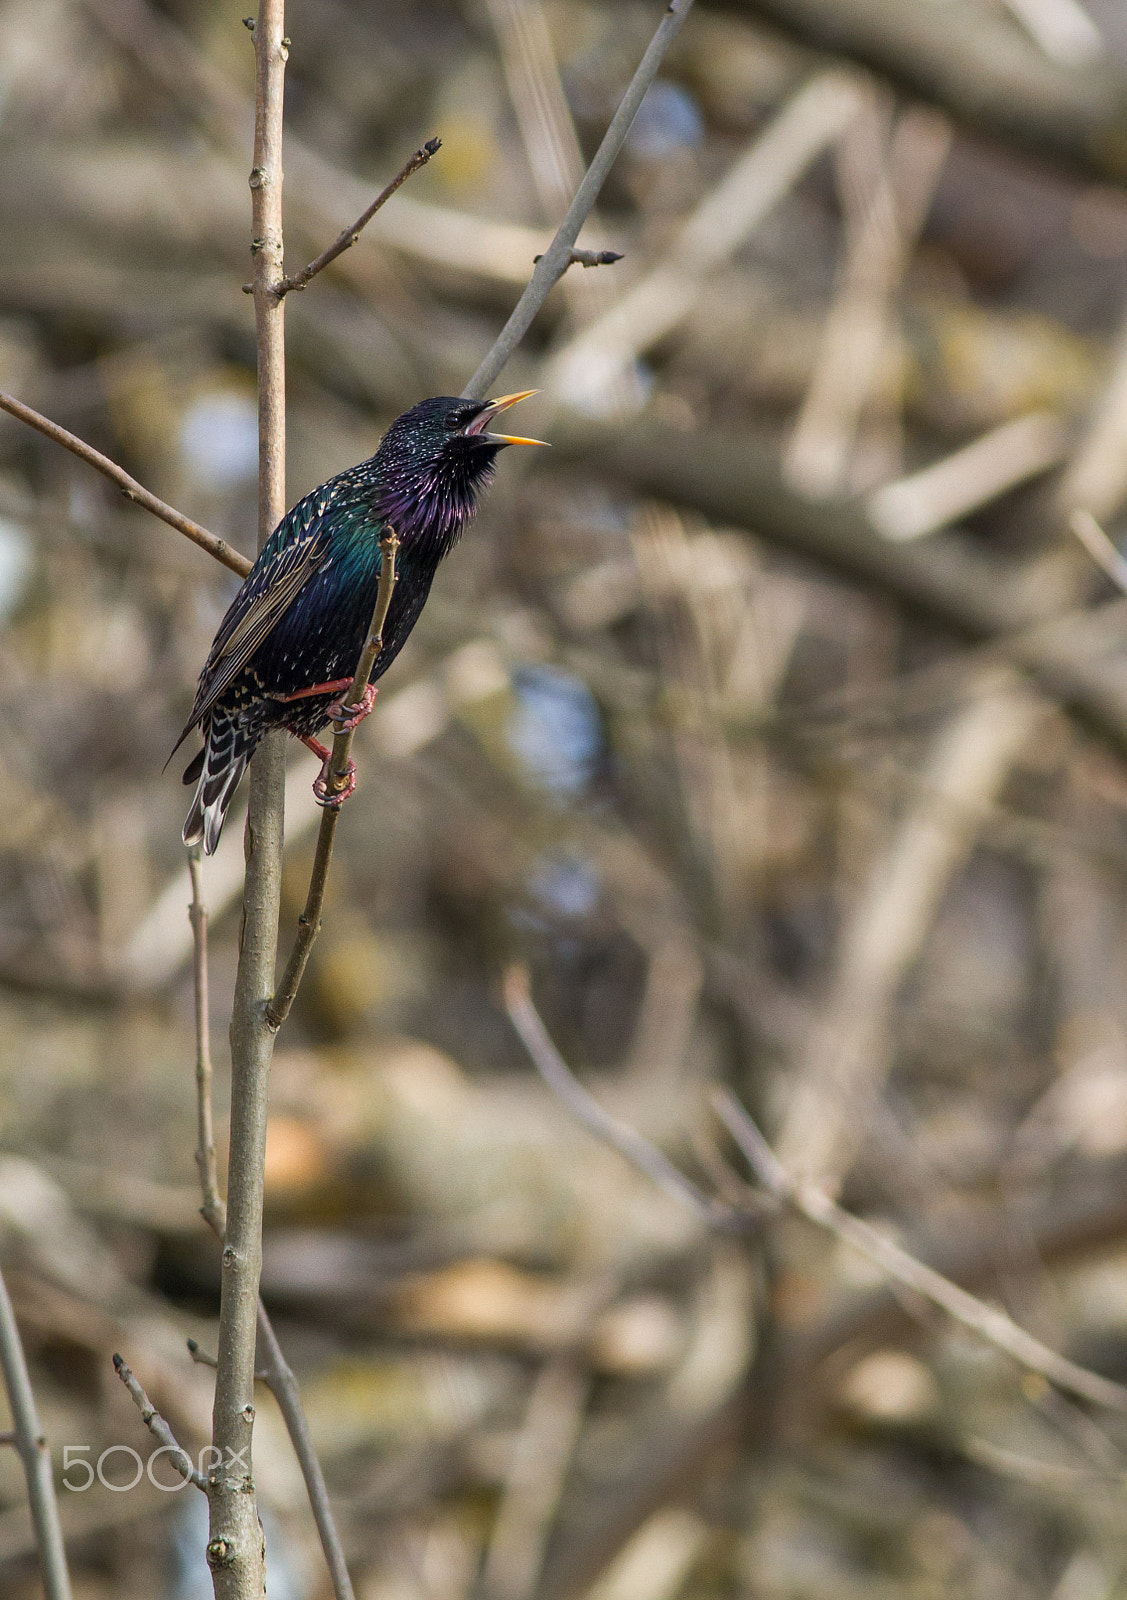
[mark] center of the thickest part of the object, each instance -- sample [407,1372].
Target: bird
[287,649]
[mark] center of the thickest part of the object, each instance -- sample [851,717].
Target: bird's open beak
[481,422]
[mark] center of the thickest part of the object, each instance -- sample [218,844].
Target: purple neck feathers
[429,504]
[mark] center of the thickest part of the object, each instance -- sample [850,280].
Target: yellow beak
[494,409]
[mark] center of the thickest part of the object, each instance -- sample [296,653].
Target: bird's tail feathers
[224,760]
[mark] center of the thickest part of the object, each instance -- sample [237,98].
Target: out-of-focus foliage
[750,816]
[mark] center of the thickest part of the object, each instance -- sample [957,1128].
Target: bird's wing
[296,549]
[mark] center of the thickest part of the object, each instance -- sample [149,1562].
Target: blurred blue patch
[565,885]
[668,120]
[554,730]
[15,565]
[219,439]
[191,1576]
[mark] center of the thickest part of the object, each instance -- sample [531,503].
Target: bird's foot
[331,797]
[349,717]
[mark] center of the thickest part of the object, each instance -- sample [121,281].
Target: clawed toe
[349,717]
[334,798]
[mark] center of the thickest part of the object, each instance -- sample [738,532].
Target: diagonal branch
[989,1322]
[555,261]
[309,923]
[344,241]
[1096,542]
[130,488]
[158,1427]
[586,1109]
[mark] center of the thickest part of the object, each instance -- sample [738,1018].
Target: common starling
[290,643]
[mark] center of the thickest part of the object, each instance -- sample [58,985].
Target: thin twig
[1099,547]
[34,1453]
[130,488]
[655,303]
[212,1208]
[345,240]
[158,1427]
[309,923]
[990,1322]
[557,258]
[202,1358]
[277,1374]
[585,1108]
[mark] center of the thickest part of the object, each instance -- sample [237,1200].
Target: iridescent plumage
[302,615]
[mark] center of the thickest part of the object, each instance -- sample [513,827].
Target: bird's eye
[462,418]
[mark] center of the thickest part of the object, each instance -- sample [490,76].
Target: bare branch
[654,304]
[201,1357]
[276,1373]
[130,488]
[278,1376]
[158,1427]
[1099,547]
[212,1209]
[971,477]
[970,61]
[557,258]
[235,1551]
[990,1322]
[348,238]
[585,1108]
[31,1444]
[309,923]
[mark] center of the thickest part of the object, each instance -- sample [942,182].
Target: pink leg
[349,717]
[337,686]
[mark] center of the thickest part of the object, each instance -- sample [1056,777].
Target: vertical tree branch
[235,1549]
[33,1452]
[273,1368]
